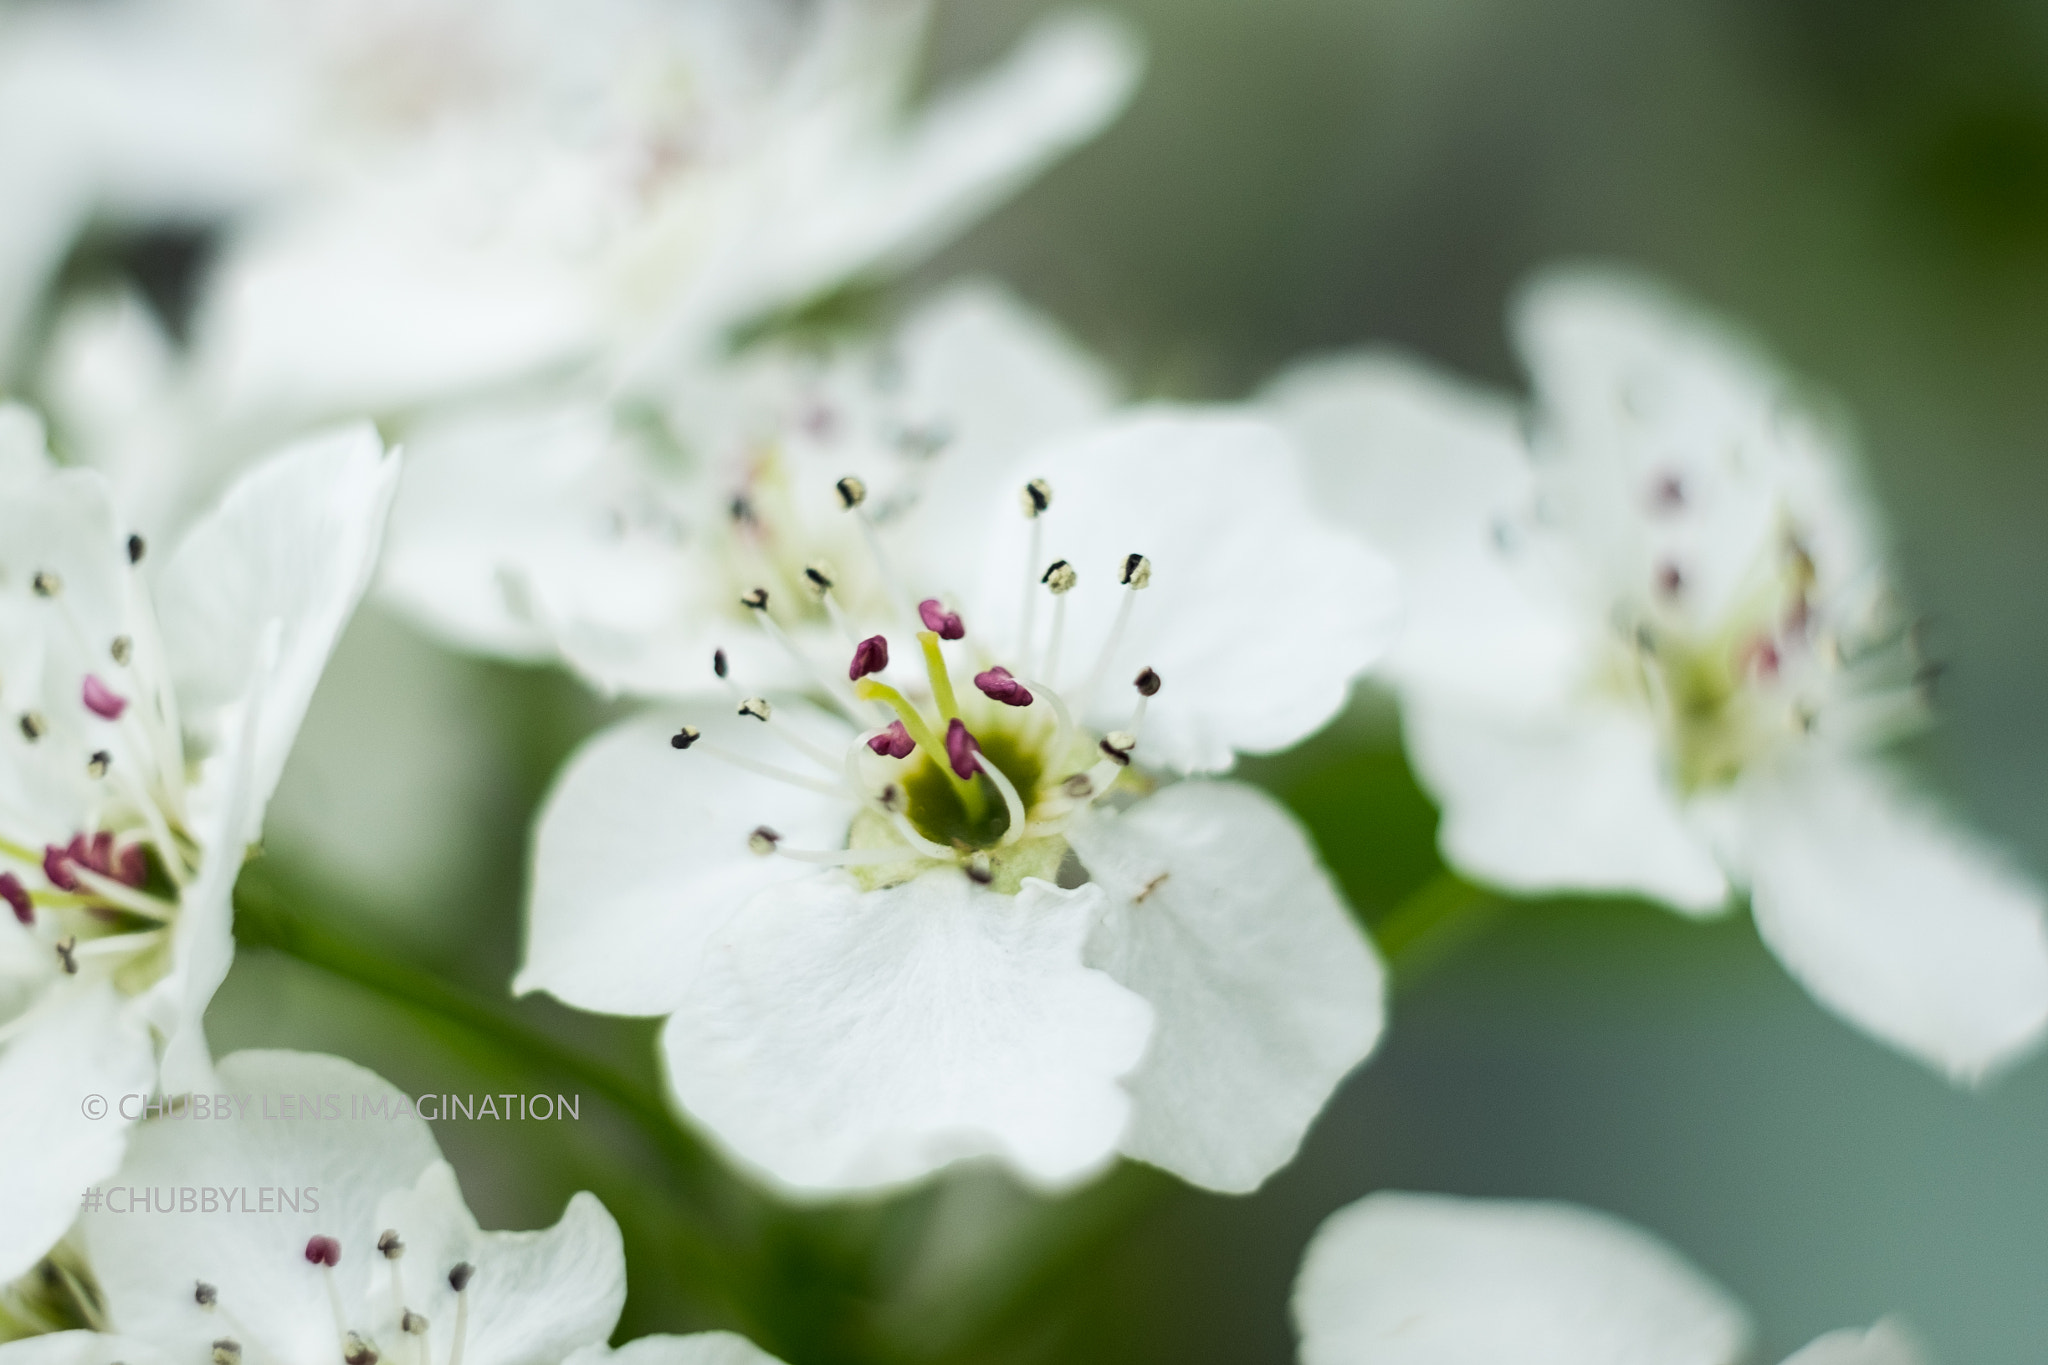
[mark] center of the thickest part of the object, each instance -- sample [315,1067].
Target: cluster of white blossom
[922,839]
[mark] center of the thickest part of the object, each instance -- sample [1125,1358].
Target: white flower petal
[1886,1343]
[405,314]
[1897,919]
[536,1296]
[699,1348]
[1437,474]
[1571,801]
[839,1039]
[289,551]
[81,1044]
[147,1264]
[1413,1279]
[1258,616]
[878,205]
[640,854]
[1266,992]
[502,511]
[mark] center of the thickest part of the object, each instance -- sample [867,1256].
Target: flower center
[972,761]
[1780,660]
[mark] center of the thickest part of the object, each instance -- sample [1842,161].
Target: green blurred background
[1865,184]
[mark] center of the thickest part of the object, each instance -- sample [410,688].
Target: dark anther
[818,574]
[763,840]
[136,547]
[121,649]
[757,600]
[460,1276]
[390,1244]
[1136,572]
[205,1295]
[741,511]
[945,624]
[1147,683]
[227,1351]
[323,1251]
[852,492]
[67,949]
[33,726]
[997,685]
[1117,745]
[757,707]
[979,869]
[413,1324]
[869,656]
[718,663]
[46,584]
[685,737]
[1059,576]
[1037,497]
[97,765]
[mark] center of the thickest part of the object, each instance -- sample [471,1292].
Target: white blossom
[1419,1279]
[358,1248]
[965,912]
[1654,649]
[151,696]
[540,530]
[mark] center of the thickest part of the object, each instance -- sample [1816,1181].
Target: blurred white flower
[495,192]
[1653,649]
[148,715]
[532,531]
[1418,1279]
[948,920]
[377,1256]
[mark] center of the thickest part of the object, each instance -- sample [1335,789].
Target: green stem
[268,925]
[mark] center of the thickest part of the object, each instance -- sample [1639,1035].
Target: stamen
[12,892]
[97,765]
[412,1324]
[936,618]
[136,546]
[852,494]
[757,767]
[757,602]
[758,708]
[979,868]
[893,741]
[33,726]
[1135,575]
[869,656]
[356,1351]
[718,663]
[325,1252]
[393,1247]
[227,1351]
[910,835]
[1013,801]
[998,684]
[818,574]
[1059,578]
[204,1294]
[1037,498]
[101,700]
[66,954]
[458,1280]
[762,841]
[685,737]
[1117,746]
[963,751]
[122,649]
[46,584]
[1147,683]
